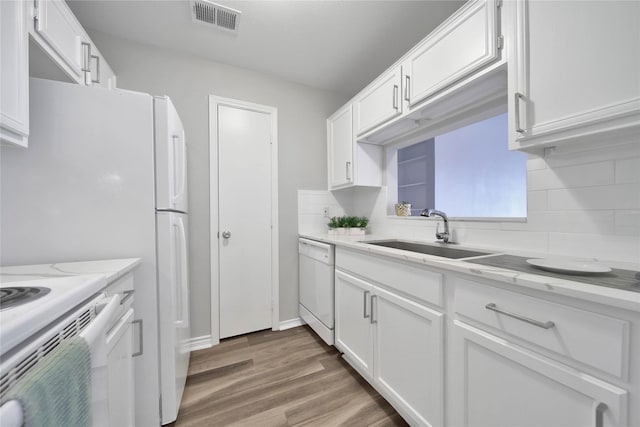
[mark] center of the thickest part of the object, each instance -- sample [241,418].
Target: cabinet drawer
[411,280]
[599,341]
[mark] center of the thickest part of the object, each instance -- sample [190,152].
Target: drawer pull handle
[600,414]
[373,321]
[545,325]
[366,296]
[127,295]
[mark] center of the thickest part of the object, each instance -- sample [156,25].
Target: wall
[581,204]
[302,113]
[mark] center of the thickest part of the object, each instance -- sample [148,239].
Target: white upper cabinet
[380,102]
[340,141]
[61,50]
[56,30]
[574,72]
[350,163]
[14,69]
[465,43]
[69,53]
[456,68]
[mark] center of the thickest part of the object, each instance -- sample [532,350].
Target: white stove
[52,298]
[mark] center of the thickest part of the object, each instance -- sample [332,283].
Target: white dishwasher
[316,286]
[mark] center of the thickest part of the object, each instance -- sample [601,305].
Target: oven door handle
[98,327]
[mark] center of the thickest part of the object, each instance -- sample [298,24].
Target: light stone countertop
[600,294]
[111,270]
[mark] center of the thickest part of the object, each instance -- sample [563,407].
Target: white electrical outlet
[325,211]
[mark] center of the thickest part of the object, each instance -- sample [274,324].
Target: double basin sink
[441,251]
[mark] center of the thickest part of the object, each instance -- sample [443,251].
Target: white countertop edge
[599,294]
[110,269]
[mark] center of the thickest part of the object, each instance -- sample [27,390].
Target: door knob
[226,234]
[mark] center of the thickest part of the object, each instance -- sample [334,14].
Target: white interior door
[244,137]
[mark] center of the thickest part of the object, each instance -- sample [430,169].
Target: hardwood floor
[288,378]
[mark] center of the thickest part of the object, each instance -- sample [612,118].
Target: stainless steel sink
[442,251]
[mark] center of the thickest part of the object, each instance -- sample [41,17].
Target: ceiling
[338,46]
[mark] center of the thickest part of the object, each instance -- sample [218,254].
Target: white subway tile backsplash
[536,201]
[601,221]
[535,163]
[584,204]
[628,171]
[627,223]
[603,247]
[571,176]
[571,157]
[623,196]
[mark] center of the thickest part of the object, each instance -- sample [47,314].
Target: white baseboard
[200,343]
[291,323]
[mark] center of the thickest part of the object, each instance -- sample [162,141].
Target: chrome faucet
[444,236]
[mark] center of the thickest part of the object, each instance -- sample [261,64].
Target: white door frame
[214,102]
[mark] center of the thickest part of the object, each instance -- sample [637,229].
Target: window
[468,172]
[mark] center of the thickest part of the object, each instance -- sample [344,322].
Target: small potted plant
[343,225]
[358,225]
[334,223]
[348,225]
[403,209]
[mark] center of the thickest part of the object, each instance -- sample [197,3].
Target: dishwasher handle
[318,251]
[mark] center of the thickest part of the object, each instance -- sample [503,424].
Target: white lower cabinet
[407,357]
[120,375]
[396,344]
[497,383]
[354,334]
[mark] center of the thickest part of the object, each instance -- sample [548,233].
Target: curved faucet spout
[444,236]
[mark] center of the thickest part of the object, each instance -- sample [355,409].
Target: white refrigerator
[105,177]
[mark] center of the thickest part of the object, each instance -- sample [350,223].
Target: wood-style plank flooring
[288,378]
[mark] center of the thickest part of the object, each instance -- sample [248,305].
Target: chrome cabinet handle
[517,97]
[600,414]
[97,58]
[395,97]
[141,336]
[372,319]
[86,57]
[348,171]
[407,83]
[127,295]
[366,295]
[545,325]
[226,234]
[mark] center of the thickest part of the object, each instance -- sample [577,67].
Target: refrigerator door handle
[182,278]
[179,168]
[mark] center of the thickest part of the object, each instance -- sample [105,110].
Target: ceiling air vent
[210,13]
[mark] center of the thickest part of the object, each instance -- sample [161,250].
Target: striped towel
[57,391]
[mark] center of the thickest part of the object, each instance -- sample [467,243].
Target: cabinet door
[408,354]
[120,375]
[575,71]
[14,84]
[340,145]
[461,45]
[57,28]
[353,322]
[380,102]
[497,384]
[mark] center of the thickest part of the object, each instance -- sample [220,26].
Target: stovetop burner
[13,296]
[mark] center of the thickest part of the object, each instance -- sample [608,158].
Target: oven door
[94,333]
